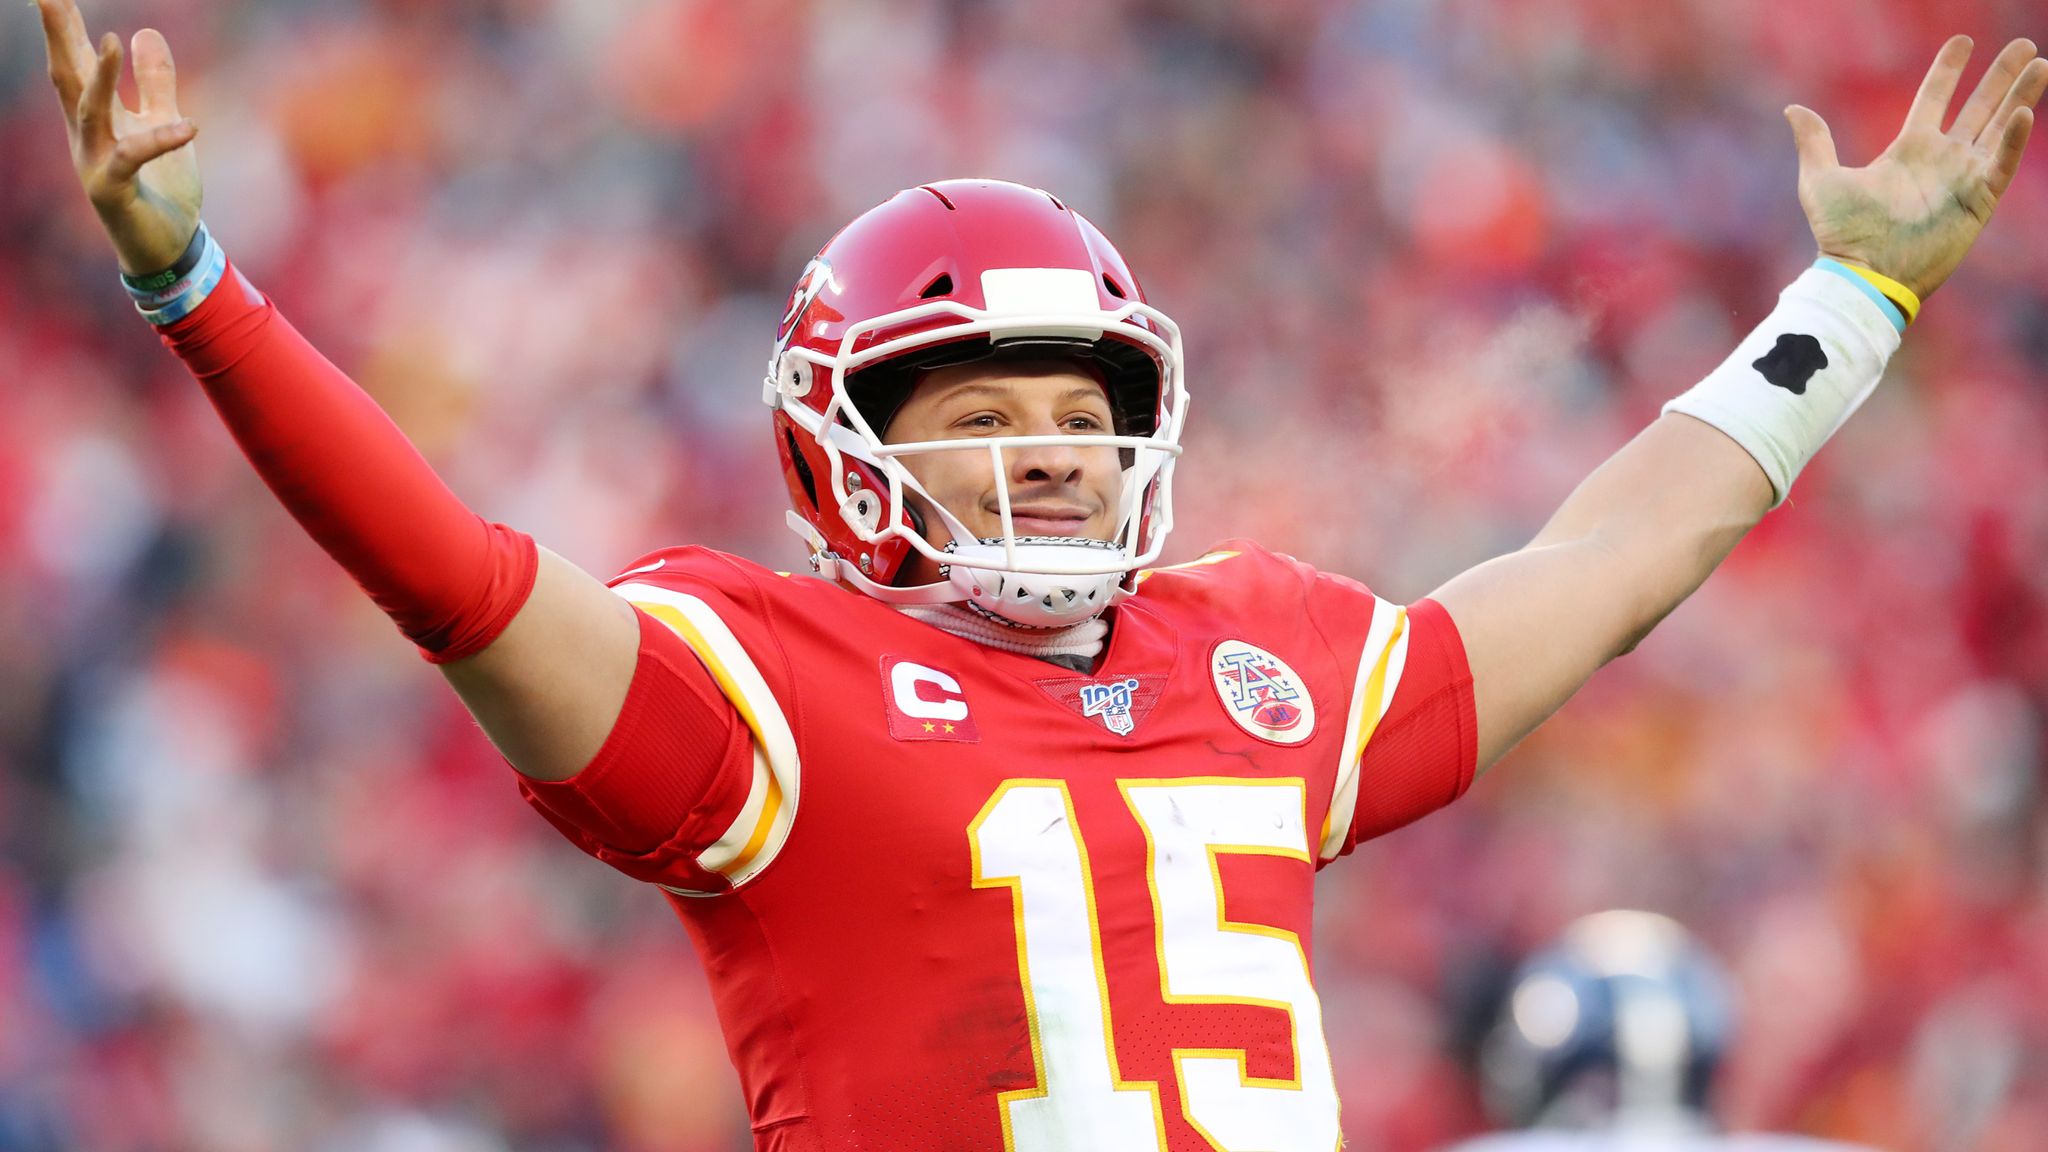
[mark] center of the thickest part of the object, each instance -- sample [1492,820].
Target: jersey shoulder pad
[1241,574]
[690,567]
[792,604]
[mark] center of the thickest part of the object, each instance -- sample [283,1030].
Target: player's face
[1054,491]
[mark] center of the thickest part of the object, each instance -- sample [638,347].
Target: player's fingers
[69,66]
[1930,106]
[1996,82]
[1815,143]
[96,106]
[156,76]
[2025,93]
[2007,162]
[140,148]
[75,35]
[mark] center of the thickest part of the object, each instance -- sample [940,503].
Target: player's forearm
[1647,527]
[348,475]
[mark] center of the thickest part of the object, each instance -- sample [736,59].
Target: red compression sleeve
[450,579]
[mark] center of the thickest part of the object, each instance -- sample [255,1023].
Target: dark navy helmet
[1623,1022]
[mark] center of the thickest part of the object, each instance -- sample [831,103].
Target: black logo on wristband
[1792,362]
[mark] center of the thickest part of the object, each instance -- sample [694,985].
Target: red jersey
[956,898]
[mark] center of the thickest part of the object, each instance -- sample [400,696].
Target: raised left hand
[1913,213]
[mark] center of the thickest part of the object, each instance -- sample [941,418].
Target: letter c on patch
[905,681]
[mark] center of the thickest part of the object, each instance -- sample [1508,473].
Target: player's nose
[1043,463]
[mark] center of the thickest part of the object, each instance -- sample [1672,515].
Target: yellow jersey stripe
[763,822]
[1375,688]
[1381,660]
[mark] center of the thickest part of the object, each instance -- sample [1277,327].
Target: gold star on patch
[928,726]
[949,727]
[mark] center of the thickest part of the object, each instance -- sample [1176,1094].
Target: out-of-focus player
[1609,1041]
[991,837]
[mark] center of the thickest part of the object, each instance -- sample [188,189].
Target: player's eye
[1084,423]
[980,421]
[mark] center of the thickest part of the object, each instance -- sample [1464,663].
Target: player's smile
[1045,519]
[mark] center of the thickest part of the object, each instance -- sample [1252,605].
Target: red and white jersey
[955,898]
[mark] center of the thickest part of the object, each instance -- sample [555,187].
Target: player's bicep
[548,689]
[1536,625]
[696,787]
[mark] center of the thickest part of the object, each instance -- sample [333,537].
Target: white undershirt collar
[1076,645]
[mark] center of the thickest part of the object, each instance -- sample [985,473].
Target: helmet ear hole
[941,285]
[801,466]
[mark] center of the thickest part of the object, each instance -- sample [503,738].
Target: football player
[993,835]
[1609,1041]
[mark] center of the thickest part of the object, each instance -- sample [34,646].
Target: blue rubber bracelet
[1891,310]
[198,286]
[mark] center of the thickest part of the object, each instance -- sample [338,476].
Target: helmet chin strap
[1020,602]
[1038,595]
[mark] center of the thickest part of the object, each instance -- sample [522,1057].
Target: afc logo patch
[1261,693]
[925,703]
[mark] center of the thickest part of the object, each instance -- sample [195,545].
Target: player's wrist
[1801,373]
[171,294]
[1900,304]
[195,247]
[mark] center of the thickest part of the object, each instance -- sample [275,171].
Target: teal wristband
[1884,302]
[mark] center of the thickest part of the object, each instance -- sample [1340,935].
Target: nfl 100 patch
[1121,703]
[1261,693]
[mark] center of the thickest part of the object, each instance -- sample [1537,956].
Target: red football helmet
[951,273]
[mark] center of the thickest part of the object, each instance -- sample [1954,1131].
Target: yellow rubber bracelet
[1897,293]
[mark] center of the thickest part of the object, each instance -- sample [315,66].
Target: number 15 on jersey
[1026,838]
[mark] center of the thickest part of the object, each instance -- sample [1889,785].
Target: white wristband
[1798,376]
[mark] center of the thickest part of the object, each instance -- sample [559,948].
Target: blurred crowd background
[263,886]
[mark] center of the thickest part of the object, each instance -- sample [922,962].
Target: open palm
[138,165]
[1913,213]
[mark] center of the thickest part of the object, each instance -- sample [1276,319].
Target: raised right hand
[1913,213]
[138,166]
